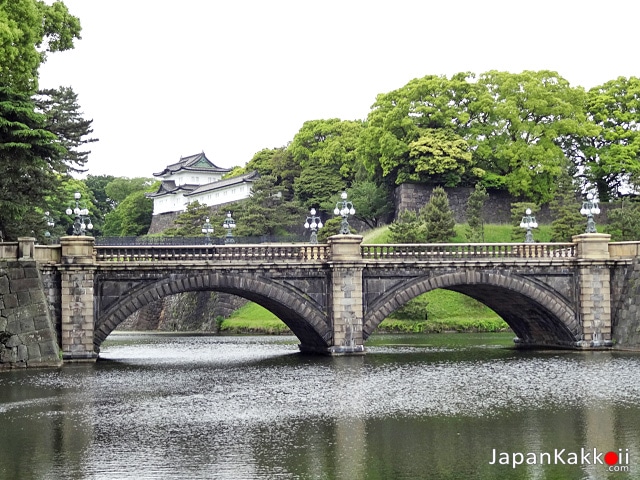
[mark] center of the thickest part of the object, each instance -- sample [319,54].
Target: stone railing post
[594,281]
[346,304]
[77,271]
[26,248]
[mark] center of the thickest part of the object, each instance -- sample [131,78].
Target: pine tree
[189,223]
[565,209]
[27,174]
[438,217]
[475,222]
[407,228]
[518,211]
[64,119]
[624,222]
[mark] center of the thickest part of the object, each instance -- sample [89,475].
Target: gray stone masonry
[626,316]
[27,335]
[497,208]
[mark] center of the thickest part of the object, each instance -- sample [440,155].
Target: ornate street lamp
[207,229]
[313,223]
[528,222]
[50,224]
[344,209]
[229,224]
[590,208]
[82,221]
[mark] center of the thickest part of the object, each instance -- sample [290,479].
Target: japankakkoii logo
[616,461]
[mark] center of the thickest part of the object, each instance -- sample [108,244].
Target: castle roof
[193,163]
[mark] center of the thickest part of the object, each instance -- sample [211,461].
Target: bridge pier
[346,307]
[77,272]
[594,289]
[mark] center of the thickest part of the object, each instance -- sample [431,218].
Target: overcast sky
[165,79]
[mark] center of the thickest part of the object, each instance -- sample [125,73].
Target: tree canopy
[28,30]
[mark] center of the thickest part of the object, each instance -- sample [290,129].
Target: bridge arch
[307,320]
[537,315]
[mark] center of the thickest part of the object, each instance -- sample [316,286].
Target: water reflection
[163,407]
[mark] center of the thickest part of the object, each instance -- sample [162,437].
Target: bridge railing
[475,251]
[242,253]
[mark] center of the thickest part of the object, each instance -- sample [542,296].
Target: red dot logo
[611,458]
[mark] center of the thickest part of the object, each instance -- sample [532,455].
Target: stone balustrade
[240,253]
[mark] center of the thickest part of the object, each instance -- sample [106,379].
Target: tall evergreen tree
[64,119]
[565,209]
[475,221]
[28,169]
[438,217]
[265,212]
[518,211]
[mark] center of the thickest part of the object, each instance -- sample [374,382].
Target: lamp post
[528,222]
[313,223]
[590,208]
[82,221]
[50,224]
[207,229]
[344,208]
[229,224]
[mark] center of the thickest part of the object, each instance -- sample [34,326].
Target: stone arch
[305,319]
[537,315]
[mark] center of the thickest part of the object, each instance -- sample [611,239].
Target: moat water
[415,407]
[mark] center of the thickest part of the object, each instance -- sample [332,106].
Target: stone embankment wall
[497,208]
[27,334]
[185,312]
[625,286]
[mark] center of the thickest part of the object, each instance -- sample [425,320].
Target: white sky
[164,79]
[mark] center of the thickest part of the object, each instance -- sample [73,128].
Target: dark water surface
[438,406]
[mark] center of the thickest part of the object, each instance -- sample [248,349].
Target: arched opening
[538,317]
[306,319]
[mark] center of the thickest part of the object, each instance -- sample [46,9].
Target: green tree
[331,227]
[565,209]
[407,228]
[517,142]
[121,187]
[29,171]
[624,222]
[475,220]
[315,186]
[64,119]
[371,202]
[438,217]
[518,211]
[419,131]
[97,184]
[610,158]
[28,30]
[189,223]
[266,212]
[329,143]
[278,162]
[132,217]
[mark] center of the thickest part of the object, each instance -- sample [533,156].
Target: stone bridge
[333,296]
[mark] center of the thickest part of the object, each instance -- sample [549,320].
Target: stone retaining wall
[497,208]
[625,287]
[27,335]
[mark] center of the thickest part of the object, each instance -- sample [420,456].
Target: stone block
[4,285]
[10,300]
[13,341]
